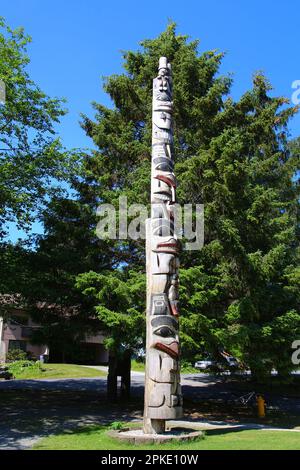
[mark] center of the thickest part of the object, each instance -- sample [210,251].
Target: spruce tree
[240,292]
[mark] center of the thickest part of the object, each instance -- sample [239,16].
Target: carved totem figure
[163,399]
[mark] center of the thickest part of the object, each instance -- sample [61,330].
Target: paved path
[209,425]
[32,409]
[51,405]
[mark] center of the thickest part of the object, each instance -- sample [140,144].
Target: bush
[187,368]
[116,425]
[21,368]
[16,355]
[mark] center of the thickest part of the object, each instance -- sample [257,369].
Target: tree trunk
[119,366]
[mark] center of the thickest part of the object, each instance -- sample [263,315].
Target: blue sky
[75,43]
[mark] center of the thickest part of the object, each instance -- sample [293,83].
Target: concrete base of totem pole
[180,432]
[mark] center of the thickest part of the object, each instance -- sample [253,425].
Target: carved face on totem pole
[165,399]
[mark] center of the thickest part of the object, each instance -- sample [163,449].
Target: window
[16,344]
[26,332]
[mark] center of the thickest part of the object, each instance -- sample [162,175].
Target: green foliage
[116,425]
[239,292]
[22,368]
[32,166]
[138,365]
[118,297]
[31,154]
[16,355]
[187,368]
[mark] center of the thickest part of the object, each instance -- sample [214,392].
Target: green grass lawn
[57,371]
[137,366]
[140,367]
[95,438]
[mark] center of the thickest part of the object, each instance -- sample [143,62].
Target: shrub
[16,355]
[116,425]
[187,368]
[20,369]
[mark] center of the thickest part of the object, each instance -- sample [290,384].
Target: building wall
[2,345]
[15,331]
[96,341]
[20,329]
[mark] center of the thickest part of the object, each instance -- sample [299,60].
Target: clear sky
[76,42]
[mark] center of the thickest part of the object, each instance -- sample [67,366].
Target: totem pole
[163,399]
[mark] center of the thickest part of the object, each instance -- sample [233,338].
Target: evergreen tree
[239,292]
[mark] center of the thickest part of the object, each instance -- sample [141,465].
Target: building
[15,333]
[17,328]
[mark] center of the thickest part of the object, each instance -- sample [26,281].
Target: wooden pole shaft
[163,399]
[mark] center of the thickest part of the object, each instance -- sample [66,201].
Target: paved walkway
[32,409]
[209,425]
